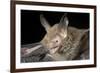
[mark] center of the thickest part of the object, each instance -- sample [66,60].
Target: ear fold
[63,25]
[44,22]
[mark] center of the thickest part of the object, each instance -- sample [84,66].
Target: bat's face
[54,44]
[52,41]
[55,34]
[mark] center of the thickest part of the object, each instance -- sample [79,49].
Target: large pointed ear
[44,22]
[64,21]
[63,25]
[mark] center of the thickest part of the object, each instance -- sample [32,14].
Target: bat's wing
[35,52]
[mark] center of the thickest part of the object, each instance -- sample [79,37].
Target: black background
[32,31]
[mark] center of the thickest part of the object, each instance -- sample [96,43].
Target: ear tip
[41,15]
[65,14]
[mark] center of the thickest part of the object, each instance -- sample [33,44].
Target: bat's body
[64,42]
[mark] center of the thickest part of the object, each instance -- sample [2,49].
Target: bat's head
[55,34]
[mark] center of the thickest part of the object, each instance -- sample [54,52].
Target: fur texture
[65,42]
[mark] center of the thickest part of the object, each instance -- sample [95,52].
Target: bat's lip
[54,47]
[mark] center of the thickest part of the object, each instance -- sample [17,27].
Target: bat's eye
[56,40]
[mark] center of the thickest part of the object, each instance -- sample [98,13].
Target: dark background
[32,31]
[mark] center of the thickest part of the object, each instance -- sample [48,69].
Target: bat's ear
[44,22]
[64,21]
[63,24]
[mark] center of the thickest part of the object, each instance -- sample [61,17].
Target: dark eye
[56,40]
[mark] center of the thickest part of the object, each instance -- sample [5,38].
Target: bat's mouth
[54,49]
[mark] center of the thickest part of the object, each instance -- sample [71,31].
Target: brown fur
[64,42]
